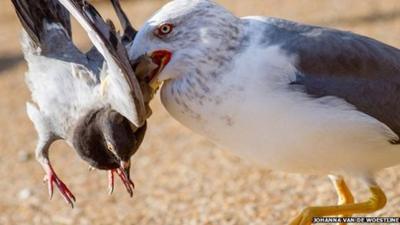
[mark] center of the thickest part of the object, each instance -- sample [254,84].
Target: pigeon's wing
[59,75]
[48,26]
[32,17]
[47,39]
[129,31]
[121,87]
[94,56]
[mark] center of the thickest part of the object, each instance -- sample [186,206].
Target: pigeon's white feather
[118,92]
[57,89]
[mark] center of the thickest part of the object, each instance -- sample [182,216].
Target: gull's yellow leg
[343,192]
[375,202]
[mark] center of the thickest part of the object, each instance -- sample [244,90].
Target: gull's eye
[164,29]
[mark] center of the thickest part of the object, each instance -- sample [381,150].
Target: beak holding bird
[161,58]
[147,69]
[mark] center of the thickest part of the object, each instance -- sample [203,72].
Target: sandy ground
[181,178]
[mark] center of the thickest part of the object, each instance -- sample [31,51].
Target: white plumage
[288,96]
[257,114]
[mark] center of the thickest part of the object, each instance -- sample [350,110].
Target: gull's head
[184,34]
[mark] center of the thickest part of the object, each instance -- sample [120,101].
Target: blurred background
[180,178]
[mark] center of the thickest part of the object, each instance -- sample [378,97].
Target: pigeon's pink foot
[110,181]
[129,185]
[52,178]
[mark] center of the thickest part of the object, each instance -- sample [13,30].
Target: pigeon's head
[184,35]
[106,140]
[121,138]
[89,142]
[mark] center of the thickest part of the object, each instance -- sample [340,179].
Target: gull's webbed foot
[374,203]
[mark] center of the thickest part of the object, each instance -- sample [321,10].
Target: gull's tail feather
[36,15]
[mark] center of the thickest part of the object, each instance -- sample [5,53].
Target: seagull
[91,100]
[289,96]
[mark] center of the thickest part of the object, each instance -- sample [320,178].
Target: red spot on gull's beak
[161,58]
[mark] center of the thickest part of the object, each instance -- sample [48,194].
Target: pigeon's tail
[37,17]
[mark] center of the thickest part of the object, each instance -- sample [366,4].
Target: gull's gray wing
[121,87]
[361,70]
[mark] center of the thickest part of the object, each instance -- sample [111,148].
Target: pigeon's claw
[129,185]
[110,182]
[52,178]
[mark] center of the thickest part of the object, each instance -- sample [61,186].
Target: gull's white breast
[254,112]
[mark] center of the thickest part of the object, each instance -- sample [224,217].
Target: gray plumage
[361,70]
[103,121]
[129,32]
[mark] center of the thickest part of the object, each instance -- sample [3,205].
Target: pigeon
[289,96]
[91,100]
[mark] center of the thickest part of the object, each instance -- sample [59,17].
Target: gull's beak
[161,58]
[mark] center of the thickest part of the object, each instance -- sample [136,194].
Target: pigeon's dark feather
[129,32]
[116,55]
[33,15]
